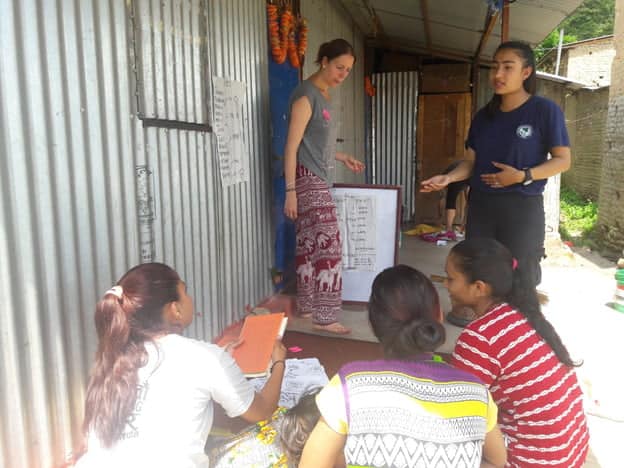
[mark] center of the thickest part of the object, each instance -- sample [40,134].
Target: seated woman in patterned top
[410,408]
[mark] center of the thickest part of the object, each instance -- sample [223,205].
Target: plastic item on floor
[447,236]
[618,299]
[420,229]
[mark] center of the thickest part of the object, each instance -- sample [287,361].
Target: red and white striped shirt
[540,403]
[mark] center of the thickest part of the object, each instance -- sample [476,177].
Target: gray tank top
[317,150]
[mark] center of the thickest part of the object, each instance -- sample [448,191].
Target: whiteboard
[369,235]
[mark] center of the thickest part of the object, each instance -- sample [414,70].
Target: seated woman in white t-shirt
[150,396]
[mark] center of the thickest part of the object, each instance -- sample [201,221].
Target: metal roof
[454,27]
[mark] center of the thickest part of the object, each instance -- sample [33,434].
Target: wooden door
[443,123]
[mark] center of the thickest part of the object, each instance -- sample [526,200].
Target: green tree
[593,18]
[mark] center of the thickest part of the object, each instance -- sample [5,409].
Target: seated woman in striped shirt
[520,357]
[410,408]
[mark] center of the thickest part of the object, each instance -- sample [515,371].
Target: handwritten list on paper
[228,125]
[300,377]
[358,227]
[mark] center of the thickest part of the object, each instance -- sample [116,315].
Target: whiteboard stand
[357,282]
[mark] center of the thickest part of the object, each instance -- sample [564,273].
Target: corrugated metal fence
[86,191]
[393,134]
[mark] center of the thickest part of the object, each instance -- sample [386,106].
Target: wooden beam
[377,26]
[505,22]
[397,45]
[490,21]
[489,25]
[424,11]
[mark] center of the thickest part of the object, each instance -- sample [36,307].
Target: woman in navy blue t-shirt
[507,161]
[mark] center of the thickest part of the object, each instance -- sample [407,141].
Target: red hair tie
[514,263]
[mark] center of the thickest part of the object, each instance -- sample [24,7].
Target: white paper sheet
[300,376]
[229,126]
[357,220]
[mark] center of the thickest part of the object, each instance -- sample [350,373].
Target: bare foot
[336,327]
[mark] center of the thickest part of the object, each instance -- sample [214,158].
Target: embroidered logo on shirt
[326,115]
[524,131]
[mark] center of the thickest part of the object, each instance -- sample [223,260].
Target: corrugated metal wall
[330,21]
[86,192]
[393,134]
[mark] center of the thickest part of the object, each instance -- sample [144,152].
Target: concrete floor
[579,286]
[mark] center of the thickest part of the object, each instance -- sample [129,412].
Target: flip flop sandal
[333,328]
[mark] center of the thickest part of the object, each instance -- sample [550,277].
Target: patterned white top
[408,413]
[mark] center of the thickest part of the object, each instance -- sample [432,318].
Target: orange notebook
[258,337]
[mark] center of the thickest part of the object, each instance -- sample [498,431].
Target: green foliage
[593,18]
[578,217]
[552,42]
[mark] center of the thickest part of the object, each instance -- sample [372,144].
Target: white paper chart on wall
[368,217]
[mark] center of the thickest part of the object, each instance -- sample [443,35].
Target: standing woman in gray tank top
[309,163]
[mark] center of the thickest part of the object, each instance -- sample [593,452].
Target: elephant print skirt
[319,250]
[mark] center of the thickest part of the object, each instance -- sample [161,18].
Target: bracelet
[290,184]
[277,362]
[292,189]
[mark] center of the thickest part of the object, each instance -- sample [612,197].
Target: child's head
[478,267]
[404,312]
[297,425]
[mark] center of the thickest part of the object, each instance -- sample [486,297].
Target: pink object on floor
[447,235]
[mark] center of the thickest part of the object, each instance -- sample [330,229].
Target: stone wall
[611,201]
[586,118]
[591,62]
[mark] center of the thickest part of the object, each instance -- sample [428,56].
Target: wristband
[277,362]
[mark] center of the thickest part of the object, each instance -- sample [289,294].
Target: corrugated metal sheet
[456,26]
[86,192]
[393,134]
[330,21]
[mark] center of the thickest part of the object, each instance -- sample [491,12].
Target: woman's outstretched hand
[435,183]
[508,175]
[354,165]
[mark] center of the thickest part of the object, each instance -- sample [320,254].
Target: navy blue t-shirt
[520,138]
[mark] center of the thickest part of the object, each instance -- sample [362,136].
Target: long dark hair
[488,260]
[530,84]
[125,318]
[334,48]
[403,311]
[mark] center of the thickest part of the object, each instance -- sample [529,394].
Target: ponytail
[487,260]
[127,316]
[523,297]
[112,389]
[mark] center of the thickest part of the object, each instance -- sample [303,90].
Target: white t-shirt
[174,408]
